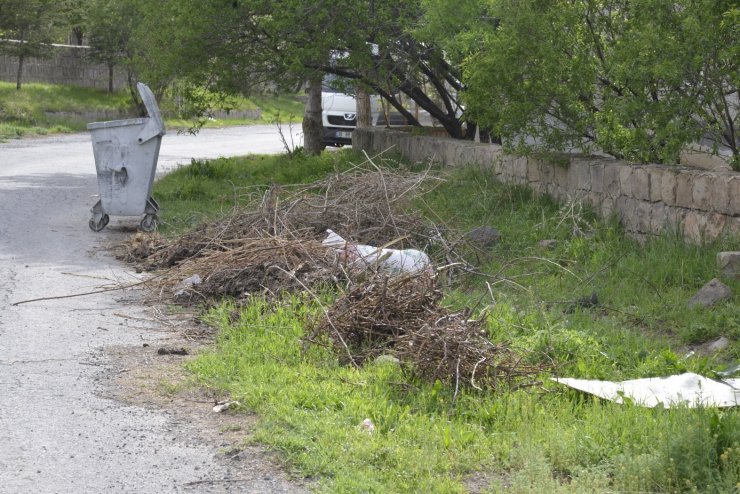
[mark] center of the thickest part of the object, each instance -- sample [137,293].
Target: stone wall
[647,199]
[65,65]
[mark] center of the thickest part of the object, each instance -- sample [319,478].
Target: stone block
[561,176]
[583,175]
[520,167]
[710,294]
[533,170]
[626,211]
[481,154]
[702,191]
[640,182]
[733,190]
[625,180]
[612,186]
[425,151]
[732,226]
[728,264]
[562,193]
[537,187]
[594,200]
[719,199]
[643,210]
[674,218]
[496,167]
[656,182]
[450,154]
[668,184]
[546,172]
[715,226]
[685,189]
[465,155]
[507,167]
[608,207]
[597,178]
[693,226]
[485,156]
[658,217]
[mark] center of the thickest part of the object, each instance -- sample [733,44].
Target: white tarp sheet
[389,260]
[688,390]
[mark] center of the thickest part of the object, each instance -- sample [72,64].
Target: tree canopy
[235,45]
[638,79]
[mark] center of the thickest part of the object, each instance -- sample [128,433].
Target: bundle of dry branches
[253,265]
[373,314]
[456,350]
[367,204]
[403,315]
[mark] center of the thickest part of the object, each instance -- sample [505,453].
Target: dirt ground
[141,376]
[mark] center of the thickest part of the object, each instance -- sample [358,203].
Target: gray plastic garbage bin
[126,153]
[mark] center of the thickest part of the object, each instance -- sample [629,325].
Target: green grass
[284,109]
[199,191]
[24,113]
[279,108]
[540,439]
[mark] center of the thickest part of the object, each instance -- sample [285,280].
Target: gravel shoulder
[139,376]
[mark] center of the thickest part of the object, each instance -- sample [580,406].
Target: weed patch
[591,304]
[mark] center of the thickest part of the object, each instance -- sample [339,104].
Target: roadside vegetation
[427,436]
[41,109]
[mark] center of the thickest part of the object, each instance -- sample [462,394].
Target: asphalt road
[58,433]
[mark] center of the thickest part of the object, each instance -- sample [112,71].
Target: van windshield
[335,84]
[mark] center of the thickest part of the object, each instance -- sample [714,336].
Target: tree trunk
[110,78]
[313,130]
[78,35]
[364,112]
[21,58]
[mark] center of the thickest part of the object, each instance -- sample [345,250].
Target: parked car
[339,117]
[339,113]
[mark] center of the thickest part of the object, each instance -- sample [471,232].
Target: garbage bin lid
[155,126]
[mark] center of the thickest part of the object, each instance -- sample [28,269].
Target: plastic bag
[389,260]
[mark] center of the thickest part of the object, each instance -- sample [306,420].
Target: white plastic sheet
[687,390]
[390,260]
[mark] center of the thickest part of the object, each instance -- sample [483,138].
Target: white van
[339,113]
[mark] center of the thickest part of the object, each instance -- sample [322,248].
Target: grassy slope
[540,440]
[22,113]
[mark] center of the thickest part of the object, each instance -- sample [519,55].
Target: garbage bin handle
[154,126]
[151,129]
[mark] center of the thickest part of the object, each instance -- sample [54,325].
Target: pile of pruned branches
[402,316]
[267,264]
[368,204]
[273,245]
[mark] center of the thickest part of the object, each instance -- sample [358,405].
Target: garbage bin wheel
[96,226]
[149,223]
